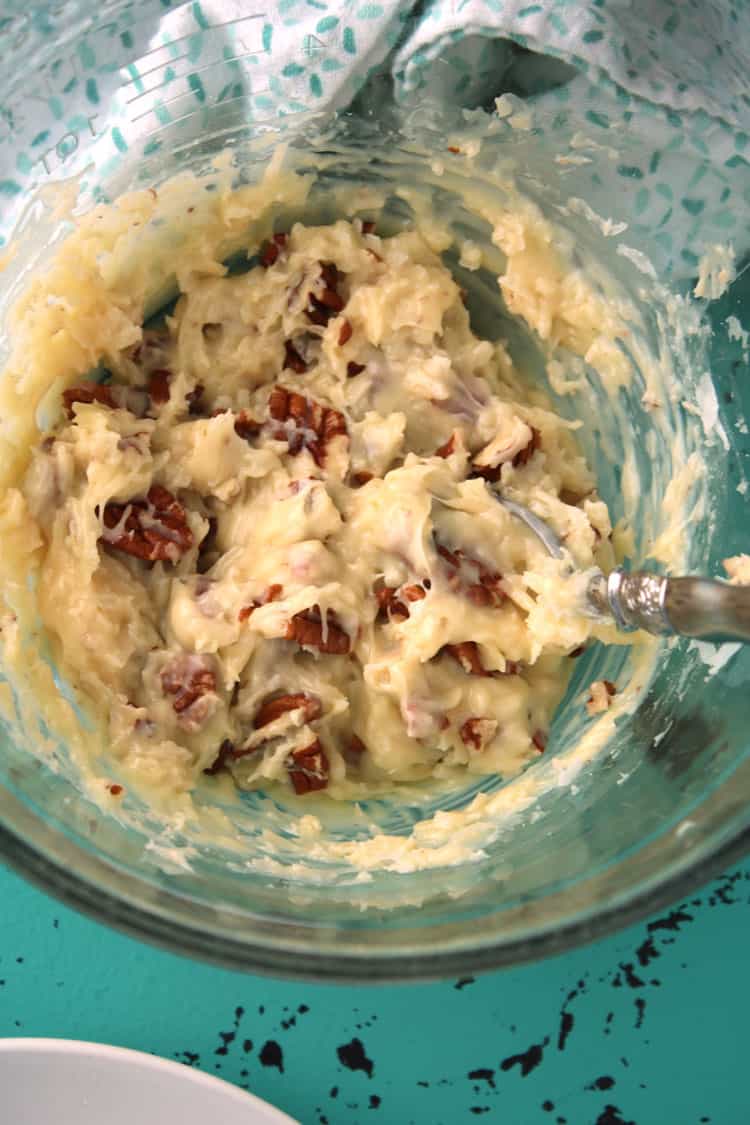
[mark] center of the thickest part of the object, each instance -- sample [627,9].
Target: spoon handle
[691,607]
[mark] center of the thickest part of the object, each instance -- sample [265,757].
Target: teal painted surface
[659,1012]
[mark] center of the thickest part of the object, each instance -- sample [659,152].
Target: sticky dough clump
[269,545]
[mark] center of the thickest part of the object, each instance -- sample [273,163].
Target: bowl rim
[366,962]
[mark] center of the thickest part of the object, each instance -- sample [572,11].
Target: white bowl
[63,1082]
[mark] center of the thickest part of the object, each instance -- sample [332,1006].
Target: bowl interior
[582,838]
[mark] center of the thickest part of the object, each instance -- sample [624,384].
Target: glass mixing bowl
[130,96]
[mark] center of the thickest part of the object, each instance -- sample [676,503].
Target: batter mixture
[268,542]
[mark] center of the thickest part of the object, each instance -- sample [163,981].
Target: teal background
[648,1027]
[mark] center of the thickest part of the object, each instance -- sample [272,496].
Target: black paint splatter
[632,980]
[482,1074]
[647,952]
[227,1038]
[640,1007]
[374,1101]
[353,1056]
[673,921]
[272,1055]
[463,982]
[604,1082]
[247,1046]
[548,1106]
[477,1109]
[566,1026]
[529,1060]
[610,1115]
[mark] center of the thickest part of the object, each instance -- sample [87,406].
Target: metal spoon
[691,607]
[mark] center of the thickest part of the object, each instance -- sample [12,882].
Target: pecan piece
[226,752]
[312,427]
[356,480]
[245,426]
[87,393]
[155,529]
[188,677]
[271,708]
[158,386]
[528,450]
[272,594]
[471,577]
[353,369]
[447,447]
[308,768]
[467,655]
[368,226]
[293,360]
[539,738]
[271,250]
[309,631]
[326,301]
[345,333]
[478,732]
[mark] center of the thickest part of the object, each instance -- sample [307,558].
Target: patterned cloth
[665,81]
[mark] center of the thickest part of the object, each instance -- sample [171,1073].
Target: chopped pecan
[356,745]
[453,148]
[211,331]
[272,594]
[271,250]
[368,226]
[467,655]
[390,608]
[326,301]
[313,425]
[345,333]
[158,386]
[187,677]
[226,752]
[154,529]
[245,426]
[353,369]
[309,631]
[539,738]
[471,577]
[333,425]
[271,708]
[478,732]
[413,593]
[115,789]
[87,393]
[293,360]
[448,447]
[308,768]
[356,480]
[527,452]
